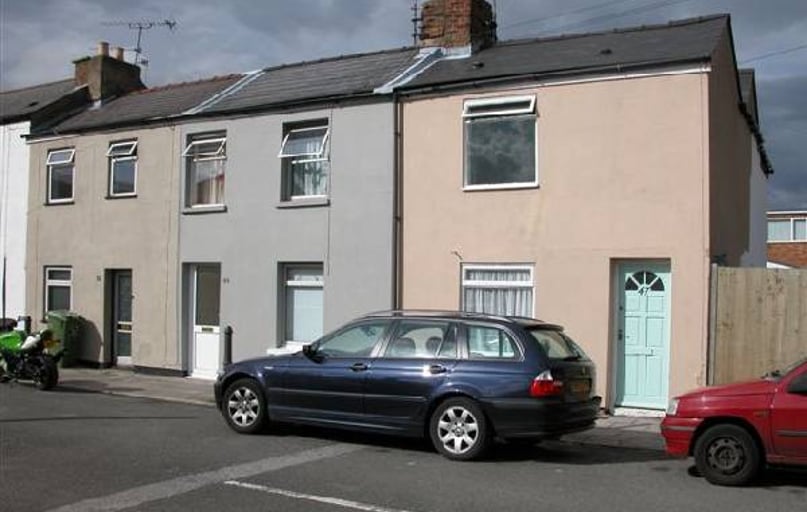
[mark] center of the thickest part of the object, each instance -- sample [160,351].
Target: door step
[638,413]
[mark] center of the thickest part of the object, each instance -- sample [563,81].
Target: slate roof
[20,104]
[360,74]
[148,104]
[338,77]
[679,41]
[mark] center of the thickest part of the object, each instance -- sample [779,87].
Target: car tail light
[546,385]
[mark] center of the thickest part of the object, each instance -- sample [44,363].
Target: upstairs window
[122,168]
[61,167]
[205,161]
[500,143]
[304,153]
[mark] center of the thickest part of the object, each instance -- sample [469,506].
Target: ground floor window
[498,289]
[58,288]
[303,302]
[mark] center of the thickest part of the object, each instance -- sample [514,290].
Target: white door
[206,352]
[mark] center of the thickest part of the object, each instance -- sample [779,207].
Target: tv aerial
[140,26]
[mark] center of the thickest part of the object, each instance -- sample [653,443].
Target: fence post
[228,345]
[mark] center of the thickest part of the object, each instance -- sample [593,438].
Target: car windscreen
[557,345]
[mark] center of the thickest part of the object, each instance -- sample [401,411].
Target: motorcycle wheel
[48,375]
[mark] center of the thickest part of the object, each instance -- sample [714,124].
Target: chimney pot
[103,48]
[117,52]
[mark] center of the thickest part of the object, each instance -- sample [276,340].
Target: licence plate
[581,387]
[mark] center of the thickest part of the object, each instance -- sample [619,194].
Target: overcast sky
[40,38]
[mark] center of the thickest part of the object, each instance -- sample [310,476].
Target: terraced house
[103,214]
[590,180]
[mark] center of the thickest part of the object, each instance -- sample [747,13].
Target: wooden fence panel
[760,321]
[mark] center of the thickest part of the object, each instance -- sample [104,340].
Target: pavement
[627,429]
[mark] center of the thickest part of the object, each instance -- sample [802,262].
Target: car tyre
[244,407]
[459,430]
[727,455]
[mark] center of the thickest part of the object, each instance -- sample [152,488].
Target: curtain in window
[499,301]
[304,313]
[498,291]
[515,275]
[309,178]
[207,185]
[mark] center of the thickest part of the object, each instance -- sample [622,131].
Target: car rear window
[557,345]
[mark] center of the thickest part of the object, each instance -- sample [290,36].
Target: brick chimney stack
[457,23]
[105,76]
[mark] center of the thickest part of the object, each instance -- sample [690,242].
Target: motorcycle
[28,356]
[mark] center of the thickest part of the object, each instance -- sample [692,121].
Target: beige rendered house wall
[623,175]
[94,234]
[730,161]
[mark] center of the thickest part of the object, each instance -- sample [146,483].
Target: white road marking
[311,497]
[175,486]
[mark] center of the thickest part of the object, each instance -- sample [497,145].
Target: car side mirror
[310,351]
[798,386]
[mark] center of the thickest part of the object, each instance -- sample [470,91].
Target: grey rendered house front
[286,226]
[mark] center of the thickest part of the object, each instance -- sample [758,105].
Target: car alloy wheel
[458,429]
[244,406]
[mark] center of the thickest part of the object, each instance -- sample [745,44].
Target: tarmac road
[72,450]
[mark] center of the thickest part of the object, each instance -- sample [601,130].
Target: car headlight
[672,407]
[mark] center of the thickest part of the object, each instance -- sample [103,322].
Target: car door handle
[358,367]
[437,368]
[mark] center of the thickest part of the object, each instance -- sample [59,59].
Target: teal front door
[643,336]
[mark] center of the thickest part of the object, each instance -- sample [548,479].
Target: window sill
[121,196]
[505,186]
[305,203]
[199,210]
[59,203]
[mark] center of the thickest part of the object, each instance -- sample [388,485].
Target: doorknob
[358,367]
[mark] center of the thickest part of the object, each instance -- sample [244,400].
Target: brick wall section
[452,23]
[791,254]
[107,77]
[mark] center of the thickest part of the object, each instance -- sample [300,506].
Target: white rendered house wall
[14,161]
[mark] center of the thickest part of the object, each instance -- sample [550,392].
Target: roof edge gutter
[543,76]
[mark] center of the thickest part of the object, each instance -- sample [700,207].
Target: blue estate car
[459,378]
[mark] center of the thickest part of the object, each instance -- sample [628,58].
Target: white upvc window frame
[520,105]
[470,283]
[190,158]
[291,159]
[52,162]
[129,153]
[56,282]
[220,153]
[792,221]
[323,145]
[292,284]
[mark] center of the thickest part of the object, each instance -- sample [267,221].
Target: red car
[734,430]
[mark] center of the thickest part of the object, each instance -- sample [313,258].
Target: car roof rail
[442,312]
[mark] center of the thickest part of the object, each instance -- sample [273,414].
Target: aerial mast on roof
[140,26]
